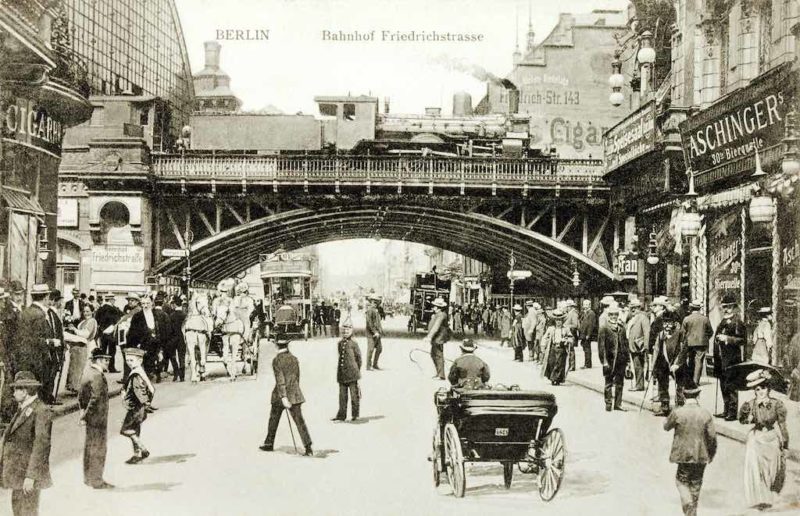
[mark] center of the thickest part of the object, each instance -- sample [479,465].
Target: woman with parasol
[767,441]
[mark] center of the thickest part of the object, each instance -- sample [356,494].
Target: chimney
[386,105]
[212,55]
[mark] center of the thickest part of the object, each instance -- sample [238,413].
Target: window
[144,116]
[328,109]
[349,112]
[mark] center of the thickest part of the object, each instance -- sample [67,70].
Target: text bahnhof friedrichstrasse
[397,36]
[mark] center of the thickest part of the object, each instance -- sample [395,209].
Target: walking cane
[294,443]
[646,390]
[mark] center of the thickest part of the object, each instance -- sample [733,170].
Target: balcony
[389,170]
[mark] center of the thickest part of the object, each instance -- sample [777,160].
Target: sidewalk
[593,379]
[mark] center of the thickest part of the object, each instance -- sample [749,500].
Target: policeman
[468,371]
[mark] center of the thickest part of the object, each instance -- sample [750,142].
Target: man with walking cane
[286,395]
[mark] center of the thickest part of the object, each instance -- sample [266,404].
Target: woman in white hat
[763,338]
[557,340]
[767,441]
[504,321]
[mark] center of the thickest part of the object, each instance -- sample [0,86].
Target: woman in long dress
[79,351]
[767,441]
[505,327]
[556,339]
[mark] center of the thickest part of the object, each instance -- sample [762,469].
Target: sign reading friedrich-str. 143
[728,131]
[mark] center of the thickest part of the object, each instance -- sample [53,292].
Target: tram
[287,281]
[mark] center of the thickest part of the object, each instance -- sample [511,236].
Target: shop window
[349,111]
[328,109]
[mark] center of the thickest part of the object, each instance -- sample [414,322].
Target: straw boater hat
[607,300]
[467,345]
[660,301]
[696,304]
[517,307]
[757,377]
[635,303]
[765,310]
[25,379]
[529,302]
[134,296]
[569,302]
[441,303]
[134,352]
[613,308]
[557,314]
[40,289]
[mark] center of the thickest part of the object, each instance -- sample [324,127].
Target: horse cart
[504,425]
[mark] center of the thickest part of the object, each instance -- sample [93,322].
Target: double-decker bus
[287,281]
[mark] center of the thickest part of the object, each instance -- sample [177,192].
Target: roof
[19,201]
[345,98]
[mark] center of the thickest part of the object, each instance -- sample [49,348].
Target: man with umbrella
[728,341]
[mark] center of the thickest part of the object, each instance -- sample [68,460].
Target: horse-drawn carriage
[504,425]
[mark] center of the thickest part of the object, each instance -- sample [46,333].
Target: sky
[296,62]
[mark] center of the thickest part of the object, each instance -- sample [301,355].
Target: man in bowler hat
[728,342]
[93,401]
[693,447]
[348,373]
[286,395]
[25,459]
[468,371]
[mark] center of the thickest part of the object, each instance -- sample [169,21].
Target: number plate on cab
[501,432]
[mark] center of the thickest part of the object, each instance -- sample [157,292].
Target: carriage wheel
[552,456]
[455,461]
[436,458]
[508,474]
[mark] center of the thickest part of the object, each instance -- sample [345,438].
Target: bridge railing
[378,168]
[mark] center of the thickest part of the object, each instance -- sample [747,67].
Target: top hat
[729,300]
[467,345]
[134,352]
[97,354]
[40,289]
[25,379]
[441,303]
[757,377]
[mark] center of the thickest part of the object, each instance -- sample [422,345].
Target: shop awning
[739,195]
[16,200]
[783,182]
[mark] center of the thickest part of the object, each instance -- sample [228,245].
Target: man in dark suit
[73,308]
[587,332]
[728,342]
[57,350]
[612,346]
[107,317]
[374,333]
[175,345]
[93,401]
[25,459]
[665,350]
[36,339]
[468,371]
[148,329]
[348,373]
[695,332]
[336,317]
[286,395]
[693,447]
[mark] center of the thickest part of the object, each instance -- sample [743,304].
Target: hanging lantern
[647,54]
[616,81]
[762,208]
[576,278]
[690,223]
[652,250]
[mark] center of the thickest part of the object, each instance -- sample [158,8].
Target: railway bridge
[227,209]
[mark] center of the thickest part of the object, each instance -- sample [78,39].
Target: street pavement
[205,459]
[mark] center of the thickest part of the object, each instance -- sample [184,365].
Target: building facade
[43,91]
[142,95]
[728,107]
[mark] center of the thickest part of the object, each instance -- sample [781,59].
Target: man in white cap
[468,371]
[638,332]
[348,373]
[605,302]
[438,335]
[695,332]
[614,354]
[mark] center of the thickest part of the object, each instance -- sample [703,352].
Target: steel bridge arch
[475,235]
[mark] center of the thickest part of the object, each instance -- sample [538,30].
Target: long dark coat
[26,448]
[349,366]
[287,378]
[93,400]
[613,347]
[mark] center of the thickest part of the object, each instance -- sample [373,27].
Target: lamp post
[762,206]
[616,80]
[646,58]
[511,263]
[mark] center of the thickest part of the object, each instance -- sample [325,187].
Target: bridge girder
[472,229]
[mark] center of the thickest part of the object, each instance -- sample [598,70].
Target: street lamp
[690,220]
[616,81]
[652,249]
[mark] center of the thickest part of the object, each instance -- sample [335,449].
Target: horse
[197,334]
[233,329]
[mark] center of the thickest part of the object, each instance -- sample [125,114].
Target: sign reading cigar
[734,127]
